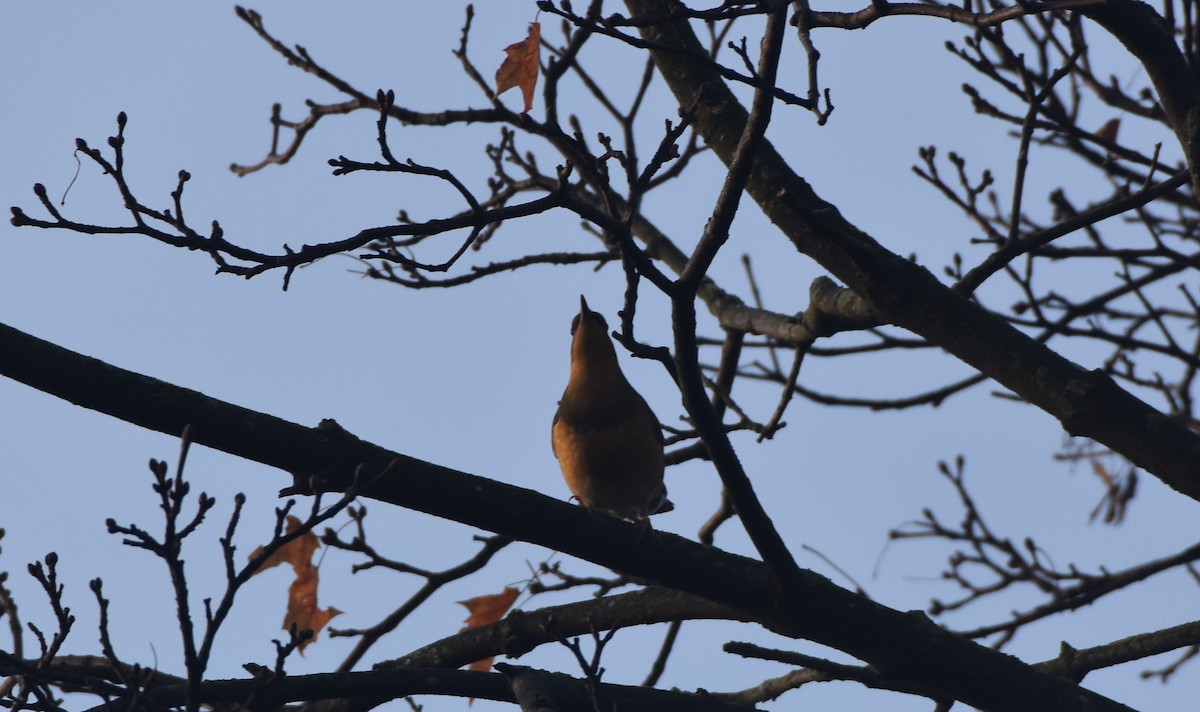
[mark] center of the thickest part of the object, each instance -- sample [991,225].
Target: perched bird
[606,438]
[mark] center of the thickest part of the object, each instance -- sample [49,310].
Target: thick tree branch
[523,631]
[1149,38]
[1087,403]
[271,692]
[905,647]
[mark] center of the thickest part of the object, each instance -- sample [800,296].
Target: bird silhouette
[607,440]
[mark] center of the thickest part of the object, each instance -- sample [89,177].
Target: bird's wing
[554,445]
[653,417]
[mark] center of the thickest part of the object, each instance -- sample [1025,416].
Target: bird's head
[590,335]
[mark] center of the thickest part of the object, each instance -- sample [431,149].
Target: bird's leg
[642,522]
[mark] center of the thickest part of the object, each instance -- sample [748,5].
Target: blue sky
[469,377]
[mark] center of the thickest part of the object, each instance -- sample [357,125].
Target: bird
[607,439]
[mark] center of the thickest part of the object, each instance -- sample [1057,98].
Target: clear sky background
[469,377]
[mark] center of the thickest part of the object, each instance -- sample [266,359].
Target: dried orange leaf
[302,610]
[1102,472]
[488,609]
[520,67]
[298,552]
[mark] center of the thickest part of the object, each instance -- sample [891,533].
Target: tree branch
[902,646]
[1087,403]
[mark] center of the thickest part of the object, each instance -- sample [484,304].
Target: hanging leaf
[485,610]
[520,67]
[302,609]
[298,552]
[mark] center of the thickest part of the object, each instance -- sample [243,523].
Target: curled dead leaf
[520,67]
[298,552]
[302,609]
[484,610]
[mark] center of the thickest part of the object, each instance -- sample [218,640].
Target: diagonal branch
[902,646]
[1150,39]
[738,487]
[1087,403]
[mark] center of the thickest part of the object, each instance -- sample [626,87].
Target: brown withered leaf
[1119,491]
[520,67]
[1108,131]
[302,609]
[298,553]
[488,609]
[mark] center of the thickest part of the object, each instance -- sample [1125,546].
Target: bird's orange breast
[613,464]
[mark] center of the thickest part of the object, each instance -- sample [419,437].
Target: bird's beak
[583,307]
